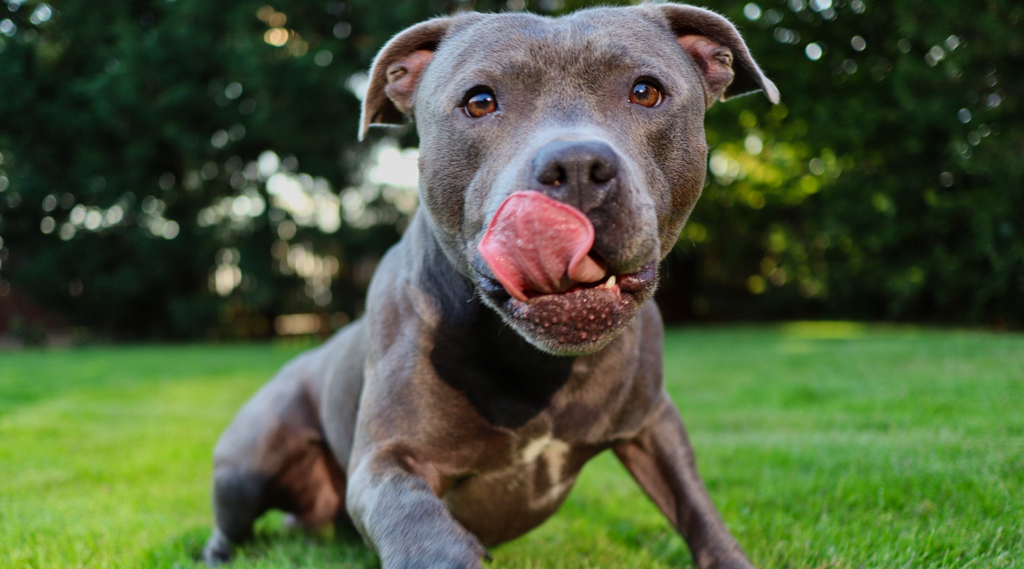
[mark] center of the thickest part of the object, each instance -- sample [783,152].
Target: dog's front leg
[403,519]
[661,459]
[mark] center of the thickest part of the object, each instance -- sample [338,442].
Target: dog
[510,335]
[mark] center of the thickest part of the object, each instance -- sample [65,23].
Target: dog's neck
[508,379]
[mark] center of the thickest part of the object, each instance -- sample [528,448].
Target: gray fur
[448,418]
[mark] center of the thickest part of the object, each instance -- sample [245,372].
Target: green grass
[823,446]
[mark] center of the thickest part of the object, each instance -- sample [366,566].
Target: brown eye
[480,104]
[645,95]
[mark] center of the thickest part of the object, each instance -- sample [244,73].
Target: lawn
[824,445]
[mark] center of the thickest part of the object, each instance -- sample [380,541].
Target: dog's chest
[502,503]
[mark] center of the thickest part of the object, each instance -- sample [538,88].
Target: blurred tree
[889,183]
[143,143]
[187,168]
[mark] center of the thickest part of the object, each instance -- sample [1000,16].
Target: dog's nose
[576,172]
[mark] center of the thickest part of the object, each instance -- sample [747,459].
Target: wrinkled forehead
[585,46]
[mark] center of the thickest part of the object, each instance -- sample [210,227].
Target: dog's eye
[480,104]
[645,95]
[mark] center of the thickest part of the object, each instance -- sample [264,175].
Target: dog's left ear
[396,72]
[728,69]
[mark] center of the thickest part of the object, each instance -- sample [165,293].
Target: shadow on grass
[577,542]
[627,524]
[275,546]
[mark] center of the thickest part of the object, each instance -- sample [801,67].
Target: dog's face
[560,158]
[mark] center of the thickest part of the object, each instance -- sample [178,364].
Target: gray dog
[509,336]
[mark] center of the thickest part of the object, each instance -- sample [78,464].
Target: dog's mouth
[550,283]
[617,284]
[580,319]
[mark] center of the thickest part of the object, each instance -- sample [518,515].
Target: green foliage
[889,183]
[143,116]
[823,445]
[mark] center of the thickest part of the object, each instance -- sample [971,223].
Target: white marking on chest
[536,447]
[554,453]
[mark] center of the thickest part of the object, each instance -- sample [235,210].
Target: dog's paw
[451,558]
[446,547]
[736,563]
[434,564]
[218,550]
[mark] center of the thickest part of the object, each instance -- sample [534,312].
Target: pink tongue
[539,244]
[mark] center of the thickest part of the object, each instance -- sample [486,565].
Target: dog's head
[560,158]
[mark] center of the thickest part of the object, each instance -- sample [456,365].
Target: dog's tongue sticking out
[538,244]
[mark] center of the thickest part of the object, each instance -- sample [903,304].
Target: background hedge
[189,168]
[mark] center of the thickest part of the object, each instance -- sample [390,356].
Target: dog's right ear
[396,73]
